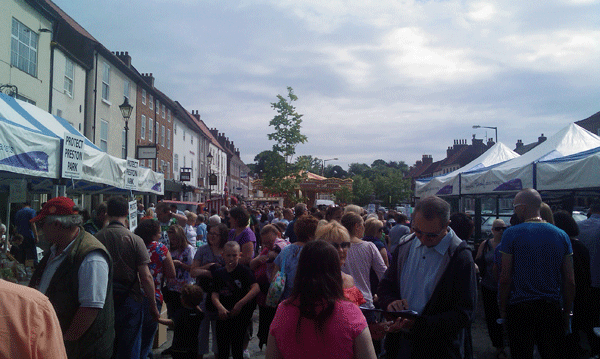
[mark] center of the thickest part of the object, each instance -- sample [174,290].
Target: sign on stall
[72,154]
[18,191]
[132,174]
[133,215]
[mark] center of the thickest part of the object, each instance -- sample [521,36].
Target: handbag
[276,288]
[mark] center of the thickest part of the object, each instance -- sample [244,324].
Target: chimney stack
[519,144]
[149,79]
[123,56]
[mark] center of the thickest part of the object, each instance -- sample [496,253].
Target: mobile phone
[408,314]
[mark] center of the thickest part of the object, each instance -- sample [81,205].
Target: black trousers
[492,313]
[265,318]
[231,333]
[172,300]
[535,323]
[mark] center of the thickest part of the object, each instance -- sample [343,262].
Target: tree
[399,165]
[391,188]
[357,169]
[281,178]
[287,126]
[335,171]
[309,163]
[379,163]
[362,189]
[344,195]
[269,161]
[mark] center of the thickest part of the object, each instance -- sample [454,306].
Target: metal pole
[126,137]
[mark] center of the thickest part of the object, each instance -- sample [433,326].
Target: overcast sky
[375,79]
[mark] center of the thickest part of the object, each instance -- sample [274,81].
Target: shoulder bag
[276,288]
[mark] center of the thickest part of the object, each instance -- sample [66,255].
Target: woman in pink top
[317,321]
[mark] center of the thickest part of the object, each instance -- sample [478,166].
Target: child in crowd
[185,323]
[234,297]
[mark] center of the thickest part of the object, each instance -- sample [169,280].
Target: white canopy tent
[520,172]
[449,184]
[30,147]
[575,172]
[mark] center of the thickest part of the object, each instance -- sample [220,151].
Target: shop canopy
[449,184]
[31,148]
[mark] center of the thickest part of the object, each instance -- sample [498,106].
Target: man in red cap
[77,278]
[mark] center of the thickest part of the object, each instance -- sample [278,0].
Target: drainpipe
[52,49]
[95,98]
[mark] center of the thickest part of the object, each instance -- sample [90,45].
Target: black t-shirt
[233,286]
[185,330]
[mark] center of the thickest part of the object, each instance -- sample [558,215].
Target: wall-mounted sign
[213,180]
[185,174]
[146,152]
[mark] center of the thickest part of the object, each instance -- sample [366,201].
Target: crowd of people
[352,284]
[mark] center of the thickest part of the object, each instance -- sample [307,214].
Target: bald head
[530,197]
[531,202]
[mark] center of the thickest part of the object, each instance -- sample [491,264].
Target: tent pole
[7,232]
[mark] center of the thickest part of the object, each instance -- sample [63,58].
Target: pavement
[482,345]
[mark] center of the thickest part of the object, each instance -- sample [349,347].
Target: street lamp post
[209,158]
[493,128]
[323,166]
[126,109]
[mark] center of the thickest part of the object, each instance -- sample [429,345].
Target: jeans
[149,327]
[128,329]
[535,322]
[203,334]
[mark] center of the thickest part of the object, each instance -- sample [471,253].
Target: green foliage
[269,162]
[362,190]
[383,181]
[391,188]
[309,163]
[344,195]
[278,176]
[378,163]
[357,169]
[287,126]
[335,172]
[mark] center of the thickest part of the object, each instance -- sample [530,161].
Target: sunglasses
[499,228]
[343,245]
[428,235]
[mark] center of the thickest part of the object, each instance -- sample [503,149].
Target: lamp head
[126,109]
